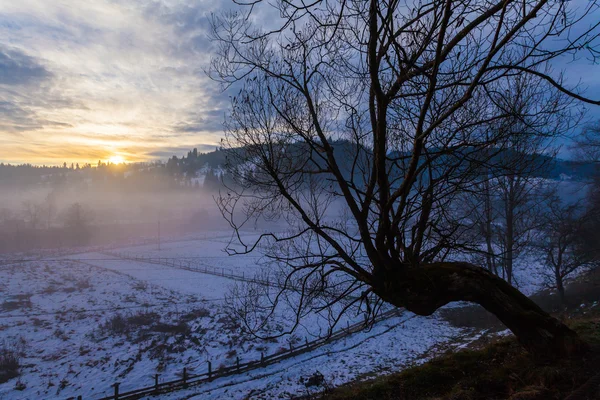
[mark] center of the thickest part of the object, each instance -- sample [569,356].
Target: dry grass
[501,370]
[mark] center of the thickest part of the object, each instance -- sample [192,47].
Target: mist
[90,207]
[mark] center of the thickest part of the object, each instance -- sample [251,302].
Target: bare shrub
[20,385]
[120,323]
[59,333]
[83,283]
[141,285]
[16,302]
[195,314]
[50,289]
[9,363]
[142,318]
[231,353]
[116,324]
[181,327]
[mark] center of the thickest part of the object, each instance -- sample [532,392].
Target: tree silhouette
[415,89]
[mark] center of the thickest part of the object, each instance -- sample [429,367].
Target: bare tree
[521,194]
[77,221]
[6,216]
[384,107]
[504,207]
[50,208]
[563,225]
[587,150]
[481,216]
[33,213]
[587,143]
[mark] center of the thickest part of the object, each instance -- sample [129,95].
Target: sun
[116,159]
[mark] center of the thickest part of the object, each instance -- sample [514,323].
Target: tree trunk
[426,288]
[560,288]
[510,243]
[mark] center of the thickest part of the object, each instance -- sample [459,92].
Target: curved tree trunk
[426,288]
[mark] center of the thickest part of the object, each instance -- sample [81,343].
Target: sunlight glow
[116,159]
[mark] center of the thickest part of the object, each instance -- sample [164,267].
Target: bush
[83,284]
[170,328]
[9,364]
[141,285]
[120,323]
[194,314]
[16,303]
[116,324]
[142,318]
[231,353]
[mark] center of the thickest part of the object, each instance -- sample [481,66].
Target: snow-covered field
[86,321]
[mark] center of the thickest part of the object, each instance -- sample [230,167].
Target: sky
[88,80]
[82,81]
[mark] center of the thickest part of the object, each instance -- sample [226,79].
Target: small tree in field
[587,150]
[560,242]
[77,221]
[587,144]
[504,205]
[364,122]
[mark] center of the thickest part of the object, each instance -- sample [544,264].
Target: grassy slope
[502,370]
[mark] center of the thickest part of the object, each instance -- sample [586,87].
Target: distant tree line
[193,171]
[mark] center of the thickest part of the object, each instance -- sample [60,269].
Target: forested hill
[213,163]
[553,168]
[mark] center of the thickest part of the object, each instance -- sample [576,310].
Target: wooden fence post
[79,397]
[262,357]
[116,385]
[291,348]
[184,375]
[238,363]
[156,382]
[209,371]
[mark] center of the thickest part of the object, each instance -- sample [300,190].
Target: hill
[500,369]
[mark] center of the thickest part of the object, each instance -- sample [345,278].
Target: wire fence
[198,266]
[195,266]
[187,380]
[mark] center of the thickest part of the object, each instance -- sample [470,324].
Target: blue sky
[87,80]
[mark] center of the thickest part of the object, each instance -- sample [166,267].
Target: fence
[195,266]
[201,267]
[188,380]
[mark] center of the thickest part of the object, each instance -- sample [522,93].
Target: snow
[391,345]
[57,314]
[179,280]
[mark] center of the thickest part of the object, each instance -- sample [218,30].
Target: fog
[77,212]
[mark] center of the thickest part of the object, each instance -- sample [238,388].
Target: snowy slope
[63,317]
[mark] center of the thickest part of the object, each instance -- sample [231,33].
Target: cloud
[16,119]
[107,77]
[181,150]
[29,99]
[208,121]
[17,68]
